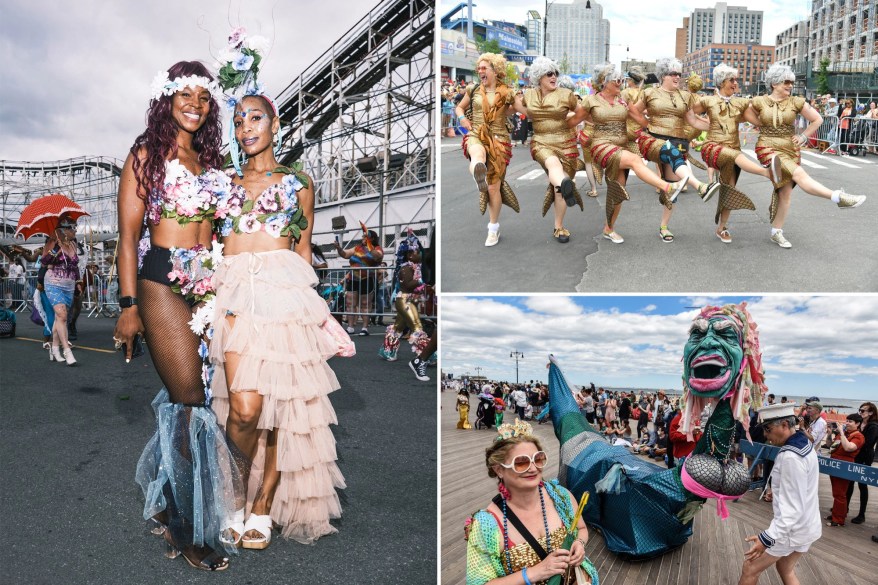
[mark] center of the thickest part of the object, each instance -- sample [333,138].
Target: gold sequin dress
[608,140]
[630,95]
[552,136]
[489,128]
[776,130]
[722,146]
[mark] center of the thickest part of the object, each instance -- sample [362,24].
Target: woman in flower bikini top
[170,182]
[273,334]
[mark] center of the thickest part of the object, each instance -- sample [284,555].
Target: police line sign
[834,467]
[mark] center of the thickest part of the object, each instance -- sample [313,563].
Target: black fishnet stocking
[172,344]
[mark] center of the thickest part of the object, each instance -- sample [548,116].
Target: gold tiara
[519,429]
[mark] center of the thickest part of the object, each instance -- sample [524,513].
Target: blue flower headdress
[238,75]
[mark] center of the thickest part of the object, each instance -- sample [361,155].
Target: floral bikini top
[185,196]
[276,210]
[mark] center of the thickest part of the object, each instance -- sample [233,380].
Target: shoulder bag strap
[513,519]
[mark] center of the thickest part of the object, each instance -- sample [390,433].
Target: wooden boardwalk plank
[713,556]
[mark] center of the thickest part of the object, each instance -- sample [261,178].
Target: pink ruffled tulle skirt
[280,331]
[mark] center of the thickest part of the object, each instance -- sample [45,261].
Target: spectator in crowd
[815,425]
[850,441]
[519,398]
[625,409]
[682,447]
[660,450]
[869,428]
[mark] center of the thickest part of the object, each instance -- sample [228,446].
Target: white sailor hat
[775,411]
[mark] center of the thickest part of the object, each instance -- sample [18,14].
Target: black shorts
[156,266]
[362,286]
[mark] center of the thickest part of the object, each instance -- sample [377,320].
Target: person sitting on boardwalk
[521,532]
[796,522]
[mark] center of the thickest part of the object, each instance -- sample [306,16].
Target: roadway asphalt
[72,514]
[833,249]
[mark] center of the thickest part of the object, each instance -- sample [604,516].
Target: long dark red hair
[160,137]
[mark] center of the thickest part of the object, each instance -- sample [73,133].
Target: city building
[647,66]
[682,42]
[534,25]
[751,61]
[846,33]
[577,35]
[791,49]
[723,24]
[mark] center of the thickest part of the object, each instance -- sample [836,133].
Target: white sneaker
[351,330]
[493,238]
[781,241]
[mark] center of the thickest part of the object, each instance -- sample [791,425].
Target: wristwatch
[127,302]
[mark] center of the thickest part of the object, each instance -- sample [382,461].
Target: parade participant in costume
[519,537]
[554,142]
[462,407]
[610,147]
[668,110]
[360,285]
[583,137]
[408,289]
[722,364]
[795,479]
[170,182]
[59,283]
[775,115]
[722,145]
[487,144]
[273,335]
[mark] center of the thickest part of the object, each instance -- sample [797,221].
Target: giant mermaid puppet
[645,510]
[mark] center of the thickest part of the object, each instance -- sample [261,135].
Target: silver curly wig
[566,82]
[665,65]
[778,73]
[540,67]
[602,73]
[721,73]
[636,74]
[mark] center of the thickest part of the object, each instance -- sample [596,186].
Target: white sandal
[237,525]
[262,525]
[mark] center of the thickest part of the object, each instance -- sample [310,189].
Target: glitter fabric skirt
[187,471]
[280,331]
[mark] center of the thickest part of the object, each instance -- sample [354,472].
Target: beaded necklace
[713,440]
[506,531]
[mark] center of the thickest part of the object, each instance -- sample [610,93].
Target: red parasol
[42,215]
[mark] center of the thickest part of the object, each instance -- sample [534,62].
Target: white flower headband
[163,85]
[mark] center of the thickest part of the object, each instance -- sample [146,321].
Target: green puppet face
[712,356]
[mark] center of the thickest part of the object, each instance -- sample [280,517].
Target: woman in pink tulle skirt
[272,336]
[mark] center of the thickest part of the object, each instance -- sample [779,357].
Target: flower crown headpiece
[238,75]
[519,429]
[162,84]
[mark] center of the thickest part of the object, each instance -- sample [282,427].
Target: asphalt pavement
[70,512]
[834,250]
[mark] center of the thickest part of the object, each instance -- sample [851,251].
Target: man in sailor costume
[796,523]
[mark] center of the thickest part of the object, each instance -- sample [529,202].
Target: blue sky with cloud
[822,345]
[77,75]
[646,28]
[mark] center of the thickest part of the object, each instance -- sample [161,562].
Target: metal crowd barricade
[859,138]
[336,282]
[13,294]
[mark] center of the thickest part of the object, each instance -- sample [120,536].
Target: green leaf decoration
[247,207]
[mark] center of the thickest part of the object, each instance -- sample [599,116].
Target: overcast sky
[78,74]
[647,27]
[825,346]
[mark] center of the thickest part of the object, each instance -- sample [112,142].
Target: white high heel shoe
[55,353]
[68,357]
[262,525]
[237,525]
